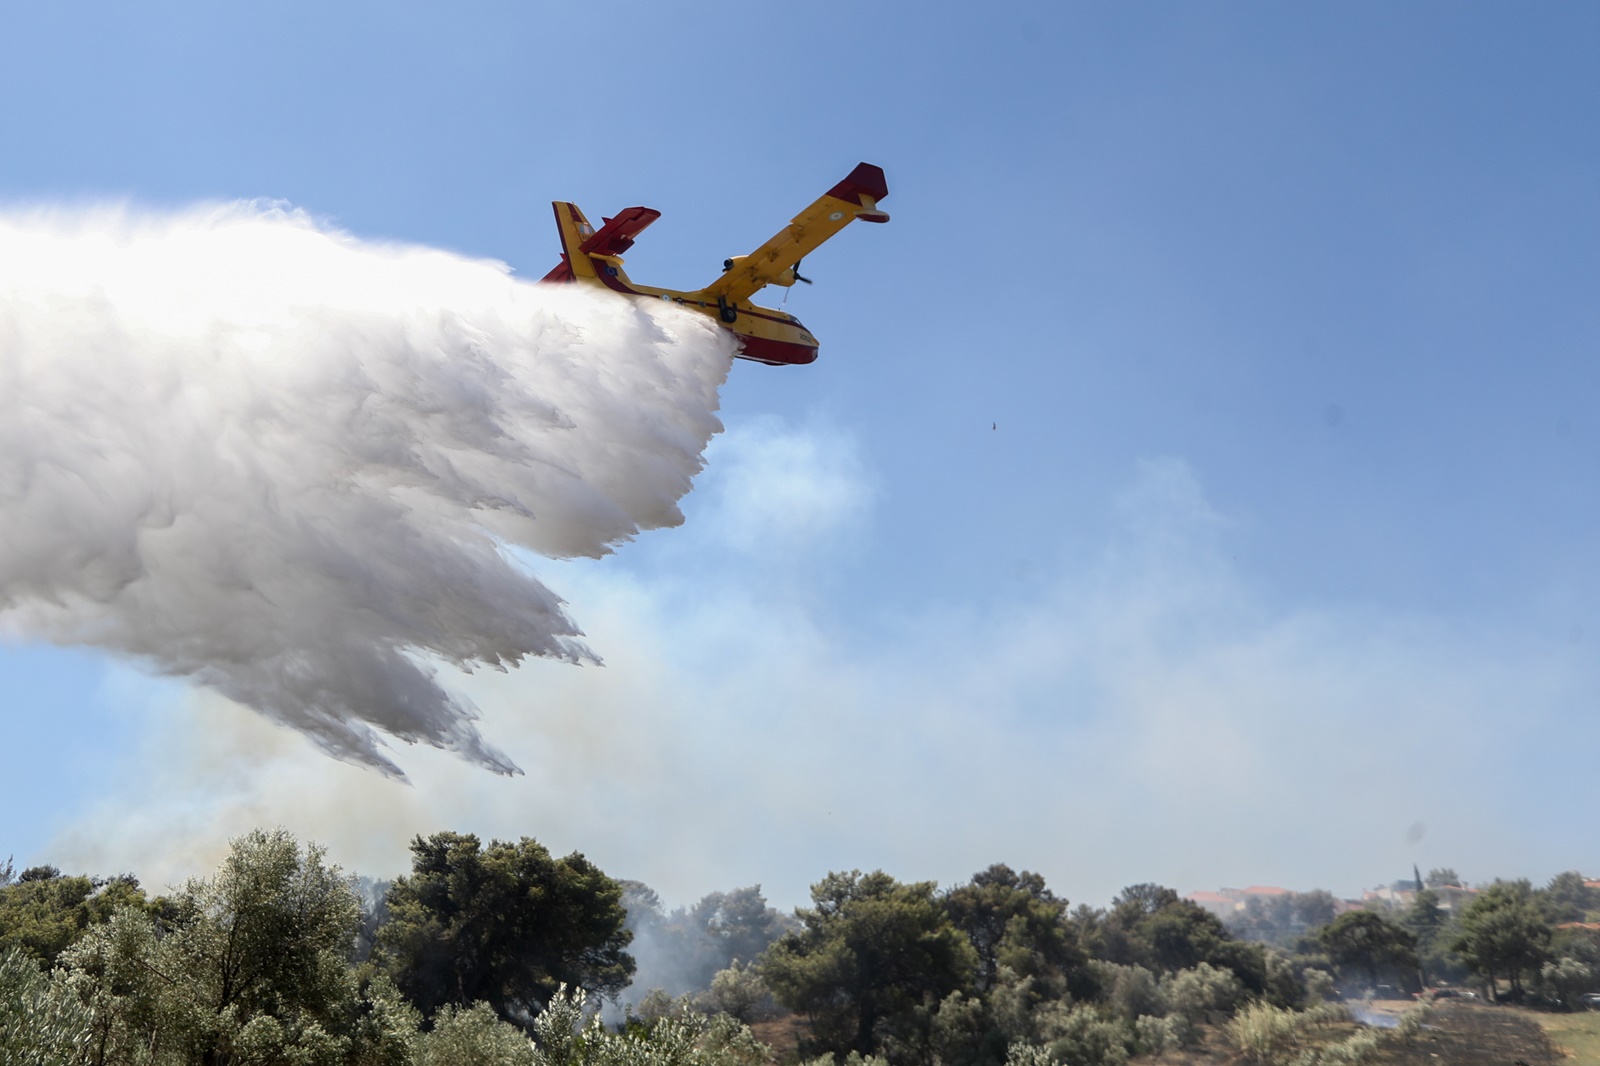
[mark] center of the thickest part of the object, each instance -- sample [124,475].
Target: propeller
[797,276]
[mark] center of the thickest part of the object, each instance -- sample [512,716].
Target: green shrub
[1319,985]
[1356,1050]
[740,992]
[475,1035]
[1134,992]
[1262,1033]
[1020,1053]
[1158,1034]
[1269,1036]
[1202,993]
[1411,1023]
[1082,1036]
[41,1022]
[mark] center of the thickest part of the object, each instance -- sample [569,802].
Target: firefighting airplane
[768,335]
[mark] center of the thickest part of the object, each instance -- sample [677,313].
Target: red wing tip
[865,178]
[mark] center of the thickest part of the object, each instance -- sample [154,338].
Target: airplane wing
[773,263]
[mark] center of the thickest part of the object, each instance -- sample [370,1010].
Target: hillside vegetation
[503,953]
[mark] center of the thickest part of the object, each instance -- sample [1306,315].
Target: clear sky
[1197,483]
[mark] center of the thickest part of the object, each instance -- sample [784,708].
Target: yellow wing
[773,263]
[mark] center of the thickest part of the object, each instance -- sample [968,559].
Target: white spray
[249,450]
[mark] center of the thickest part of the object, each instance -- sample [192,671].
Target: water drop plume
[250,450]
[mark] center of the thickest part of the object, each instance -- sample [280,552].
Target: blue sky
[1284,317]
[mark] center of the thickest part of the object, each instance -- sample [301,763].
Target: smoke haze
[249,450]
[1141,712]
[264,456]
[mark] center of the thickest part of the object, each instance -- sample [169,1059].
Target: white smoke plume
[250,450]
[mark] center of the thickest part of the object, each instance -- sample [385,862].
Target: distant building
[1264,891]
[1454,897]
[1218,903]
[1402,894]
[1227,902]
[1230,903]
[1392,897]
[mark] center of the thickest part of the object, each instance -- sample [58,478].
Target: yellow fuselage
[767,335]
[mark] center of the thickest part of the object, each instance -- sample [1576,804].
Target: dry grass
[1577,1034]
[783,1035]
[1453,1034]
[1473,1034]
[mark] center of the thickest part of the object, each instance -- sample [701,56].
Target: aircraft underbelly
[766,335]
[775,352]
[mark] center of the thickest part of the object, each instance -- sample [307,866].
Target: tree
[384,1027]
[1577,942]
[1137,902]
[1181,935]
[476,1036]
[567,1034]
[43,911]
[1116,934]
[1503,933]
[1567,898]
[506,925]
[374,898]
[1150,926]
[1369,942]
[1425,918]
[868,952]
[680,952]
[1201,994]
[1443,877]
[737,924]
[1566,979]
[1171,933]
[665,953]
[41,1023]
[1315,908]
[1426,921]
[1282,919]
[740,993]
[1013,920]
[248,965]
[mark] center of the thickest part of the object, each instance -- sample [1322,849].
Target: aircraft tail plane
[579,240]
